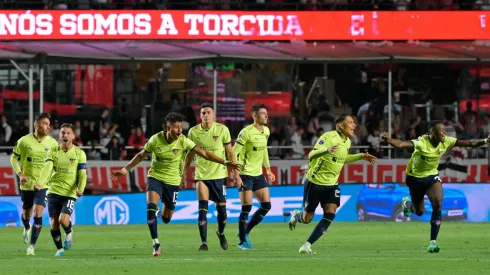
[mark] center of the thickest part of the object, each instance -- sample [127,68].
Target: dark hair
[207,105]
[42,116]
[341,118]
[68,125]
[173,117]
[433,124]
[256,107]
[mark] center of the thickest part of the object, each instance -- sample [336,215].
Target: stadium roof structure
[110,52]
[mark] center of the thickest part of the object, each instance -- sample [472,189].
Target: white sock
[155,241]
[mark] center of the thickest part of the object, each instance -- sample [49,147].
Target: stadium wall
[286,171]
[379,202]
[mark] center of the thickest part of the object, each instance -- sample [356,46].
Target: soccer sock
[67,229]
[258,216]
[321,227]
[409,205]
[435,224]
[221,209]
[243,221]
[56,234]
[202,220]
[152,221]
[36,229]
[26,223]
[299,217]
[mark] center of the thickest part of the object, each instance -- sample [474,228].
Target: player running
[210,176]
[251,149]
[423,176]
[168,149]
[327,158]
[32,150]
[67,167]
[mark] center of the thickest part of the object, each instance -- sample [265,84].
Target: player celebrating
[210,176]
[251,149]
[423,176]
[168,149]
[66,184]
[32,151]
[327,158]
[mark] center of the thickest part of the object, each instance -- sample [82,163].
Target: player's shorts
[168,193]
[253,183]
[217,189]
[418,186]
[29,198]
[316,194]
[58,204]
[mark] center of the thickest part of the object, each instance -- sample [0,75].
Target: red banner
[237,25]
[287,172]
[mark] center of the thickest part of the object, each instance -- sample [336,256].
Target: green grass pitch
[347,248]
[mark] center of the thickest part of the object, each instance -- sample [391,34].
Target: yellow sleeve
[14,161]
[450,141]
[320,148]
[82,171]
[352,158]
[240,142]
[150,145]
[189,144]
[226,136]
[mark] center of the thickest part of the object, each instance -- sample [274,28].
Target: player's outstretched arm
[135,161]
[212,157]
[187,163]
[473,143]
[363,156]
[316,153]
[396,142]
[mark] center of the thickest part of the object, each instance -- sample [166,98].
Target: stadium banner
[361,202]
[242,25]
[287,173]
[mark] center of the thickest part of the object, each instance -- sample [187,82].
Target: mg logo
[111,210]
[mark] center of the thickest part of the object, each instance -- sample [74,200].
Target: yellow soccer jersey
[66,166]
[212,140]
[252,150]
[167,161]
[33,154]
[425,157]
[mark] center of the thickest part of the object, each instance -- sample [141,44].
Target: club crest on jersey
[321,142]
[175,151]
[215,138]
[72,160]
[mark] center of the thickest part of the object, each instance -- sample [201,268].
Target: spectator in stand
[6,130]
[136,140]
[469,121]
[297,144]
[55,130]
[90,135]
[143,123]
[485,129]
[303,170]
[313,124]
[290,128]
[114,149]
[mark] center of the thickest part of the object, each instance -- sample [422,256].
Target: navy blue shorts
[419,186]
[316,194]
[217,189]
[169,194]
[253,183]
[58,204]
[29,198]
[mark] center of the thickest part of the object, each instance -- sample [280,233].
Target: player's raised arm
[396,142]
[212,157]
[473,143]
[82,174]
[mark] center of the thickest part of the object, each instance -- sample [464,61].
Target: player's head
[207,113]
[42,124]
[259,113]
[173,125]
[345,124]
[67,133]
[437,131]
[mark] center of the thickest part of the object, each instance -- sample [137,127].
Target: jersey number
[224,190]
[175,198]
[70,204]
[337,193]
[437,178]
